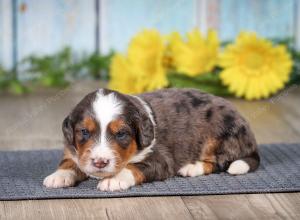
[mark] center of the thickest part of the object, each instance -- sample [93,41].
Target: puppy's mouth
[101,174]
[99,170]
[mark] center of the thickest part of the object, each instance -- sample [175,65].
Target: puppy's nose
[100,163]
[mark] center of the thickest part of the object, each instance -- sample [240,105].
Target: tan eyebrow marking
[89,123]
[116,125]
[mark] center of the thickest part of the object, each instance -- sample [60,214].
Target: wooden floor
[33,122]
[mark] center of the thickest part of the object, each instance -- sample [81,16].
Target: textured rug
[22,174]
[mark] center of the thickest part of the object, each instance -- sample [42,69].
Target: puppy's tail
[244,165]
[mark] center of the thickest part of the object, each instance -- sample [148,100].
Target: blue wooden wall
[269,18]
[44,27]
[47,26]
[5,33]
[124,18]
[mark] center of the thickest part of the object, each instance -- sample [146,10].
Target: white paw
[121,181]
[192,170]
[60,178]
[238,167]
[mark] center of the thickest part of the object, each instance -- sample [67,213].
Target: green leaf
[209,82]
[17,88]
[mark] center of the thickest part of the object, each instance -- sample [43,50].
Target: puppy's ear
[143,124]
[145,131]
[68,131]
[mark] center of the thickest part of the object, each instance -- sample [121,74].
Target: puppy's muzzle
[100,163]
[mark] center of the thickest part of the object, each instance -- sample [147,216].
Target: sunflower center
[253,60]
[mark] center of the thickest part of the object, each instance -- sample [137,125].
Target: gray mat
[22,174]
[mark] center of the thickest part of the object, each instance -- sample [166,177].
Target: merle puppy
[127,140]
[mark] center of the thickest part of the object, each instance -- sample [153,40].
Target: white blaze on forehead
[106,109]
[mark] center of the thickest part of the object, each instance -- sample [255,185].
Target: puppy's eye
[85,134]
[121,135]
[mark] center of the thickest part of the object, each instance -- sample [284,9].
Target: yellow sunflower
[122,77]
[195,56]
[254,68]
[142,70]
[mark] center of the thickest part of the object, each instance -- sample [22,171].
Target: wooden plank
[219,207]
[297,25]
[213,14]
[119,22]
[267,121]
[269,18]
[252,206]
[207,15]
[116,208]
[6,33]
[47,26]
[201,15]
[37,123]
[289,105]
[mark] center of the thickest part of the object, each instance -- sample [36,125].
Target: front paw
[121,181]
[60,178]
[192,170]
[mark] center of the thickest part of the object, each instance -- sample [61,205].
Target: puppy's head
[105,130]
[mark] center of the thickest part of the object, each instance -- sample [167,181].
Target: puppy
[127,140]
